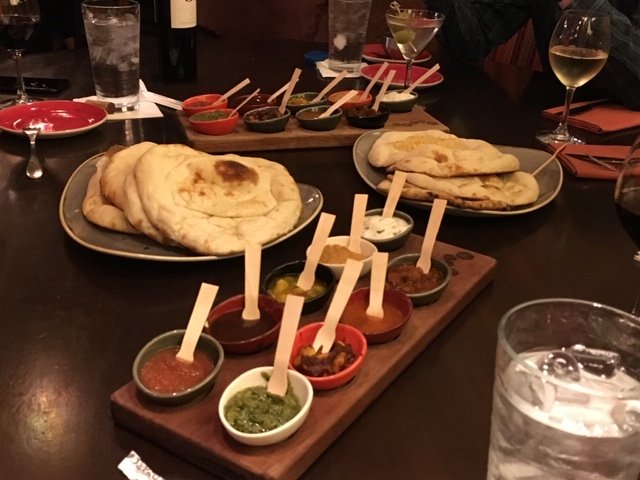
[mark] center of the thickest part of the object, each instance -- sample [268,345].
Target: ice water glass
[566,398]
[348,21]
[112,28]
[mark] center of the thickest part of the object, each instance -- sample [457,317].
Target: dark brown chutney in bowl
[239,336]
[266,120]
[367,117]
[257,101]
[421,287]
[308,118]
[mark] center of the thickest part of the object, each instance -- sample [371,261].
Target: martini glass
[412,29]
[18,19]
[578,50]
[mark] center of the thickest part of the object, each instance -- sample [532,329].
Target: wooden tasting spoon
[199,315]
[329,86]
[357,221]
[306,278]
[383,90]
[435,218]
[252,259]
[231,91]
[245,101]
[287,93]
[374,79]
[345,98]
[399,178]
[422,77]
[277,384]
[277,94]
[376,287]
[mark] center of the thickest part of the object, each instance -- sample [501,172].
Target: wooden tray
[195,432]
[242,140]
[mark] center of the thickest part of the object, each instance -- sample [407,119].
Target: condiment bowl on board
[336,247]
[397,103]
[361,99]
[219,121]
[397,311]
[239,336]
[309,118]
[429,295]
[299,101]
[257,101]
[345,334]
[172,340]
[367,117]
[281,281]
[387,233]
[266,120]
[200,103]
[258,377]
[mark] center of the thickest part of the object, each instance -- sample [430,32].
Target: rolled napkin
[575,159]
[602,118]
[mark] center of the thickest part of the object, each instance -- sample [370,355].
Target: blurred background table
[73,319]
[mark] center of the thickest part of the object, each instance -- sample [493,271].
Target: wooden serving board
[194,431]
[243,140]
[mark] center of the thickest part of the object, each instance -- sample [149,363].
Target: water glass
[566,401]
[112,29]
[348,21]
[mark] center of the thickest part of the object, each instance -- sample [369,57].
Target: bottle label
[183,13]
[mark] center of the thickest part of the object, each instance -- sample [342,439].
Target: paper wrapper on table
[573,158]
[601,119]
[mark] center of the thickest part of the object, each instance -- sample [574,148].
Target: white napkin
[325,71]
[145,109]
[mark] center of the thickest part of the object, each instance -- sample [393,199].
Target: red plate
[57,118]
[435,78]
[375,52]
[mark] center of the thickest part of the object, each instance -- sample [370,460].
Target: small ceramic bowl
[266,120]
[344,333]
[215,122]
[367,117]
[308,118]
[238,336]
[429,296]
[200,103]
[397,103]
[251,378]
[207,344]
[357,101]
[367,249]
[299,101]
[398,309]
[258,101]
[323,274]
[375,227]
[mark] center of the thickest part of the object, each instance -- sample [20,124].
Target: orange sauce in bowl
[355,314]
[164,373]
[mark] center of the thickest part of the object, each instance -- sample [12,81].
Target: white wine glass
[18,19]
[412,29]
[578,50]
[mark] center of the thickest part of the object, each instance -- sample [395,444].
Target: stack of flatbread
[468,173]
[210,204]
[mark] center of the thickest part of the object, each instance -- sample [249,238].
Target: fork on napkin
[602,118]
[575,158]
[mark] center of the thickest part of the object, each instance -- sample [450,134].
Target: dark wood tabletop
[72,319]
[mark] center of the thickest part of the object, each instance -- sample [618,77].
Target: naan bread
[215,204]
[439,154]
[117,169]
[479,192]
[97,209]
[134,211]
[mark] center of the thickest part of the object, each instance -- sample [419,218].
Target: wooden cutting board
[195,432]
[243,140]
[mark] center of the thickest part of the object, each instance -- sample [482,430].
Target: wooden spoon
[549,160]
[374,79]
[287,93]
[199,314]
[399,178]
[282,89]
[327,333]
[345,98]
[357,221]
[233,90]
[252,259]
[376,287]
[383,90]
[435,218]
[422,77]
[277,384]
[329,86]
[245,101]
[306,278]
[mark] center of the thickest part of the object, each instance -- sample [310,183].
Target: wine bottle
[177,20]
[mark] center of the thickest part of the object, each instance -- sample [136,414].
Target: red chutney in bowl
[164,373]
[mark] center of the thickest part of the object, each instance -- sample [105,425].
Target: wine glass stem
[563,127]
[407,73]
[21,95]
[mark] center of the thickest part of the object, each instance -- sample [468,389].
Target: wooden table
[73,319]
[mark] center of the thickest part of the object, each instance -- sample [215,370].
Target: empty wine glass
[578,50]
[412,29]
[627,202]
[18,19]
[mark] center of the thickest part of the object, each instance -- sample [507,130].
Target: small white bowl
[366,248]
[251,378]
